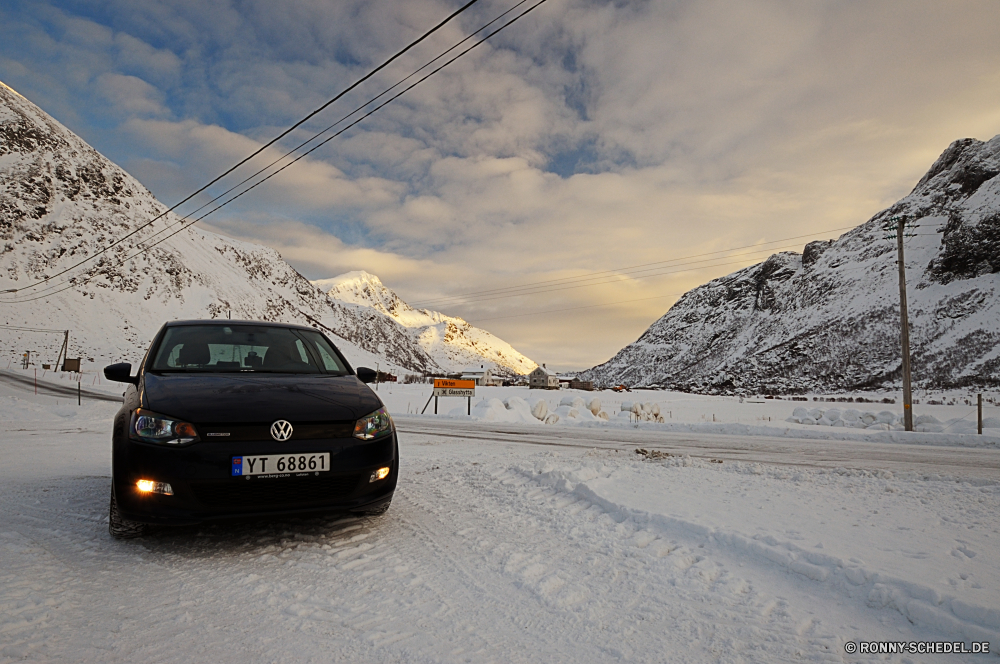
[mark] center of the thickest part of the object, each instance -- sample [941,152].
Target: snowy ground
[693,413]
[514,544]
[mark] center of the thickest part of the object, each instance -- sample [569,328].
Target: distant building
[482,375]
[543,379]
[581,385]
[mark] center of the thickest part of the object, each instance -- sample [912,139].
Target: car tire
[121,528]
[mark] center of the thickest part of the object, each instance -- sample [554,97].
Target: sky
[586,138]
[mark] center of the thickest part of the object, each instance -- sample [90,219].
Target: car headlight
[152,428]
[373,425]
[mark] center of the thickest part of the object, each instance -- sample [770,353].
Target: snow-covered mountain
[61,201]
[828,319]
[451,342]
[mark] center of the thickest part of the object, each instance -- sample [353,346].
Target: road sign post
[447,387]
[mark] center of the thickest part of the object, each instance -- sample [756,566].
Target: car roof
[223,322]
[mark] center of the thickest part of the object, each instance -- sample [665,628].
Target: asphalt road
[959,462]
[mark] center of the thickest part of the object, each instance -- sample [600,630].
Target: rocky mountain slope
[61,201]
[451,342]
[828,319]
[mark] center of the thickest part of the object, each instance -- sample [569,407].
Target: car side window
[329,363]
[301,348]
[327,356]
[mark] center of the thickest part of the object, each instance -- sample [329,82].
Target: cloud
[588,137]
[131,96]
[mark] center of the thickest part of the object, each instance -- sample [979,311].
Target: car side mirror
[120,373]
[366,375]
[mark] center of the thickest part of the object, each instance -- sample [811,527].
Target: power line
[261,148]
[376,109]
[370,101]
[359,108]
[148,246]
[621,270]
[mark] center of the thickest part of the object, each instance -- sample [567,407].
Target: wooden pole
[64,351]
[980,403]
[904,329]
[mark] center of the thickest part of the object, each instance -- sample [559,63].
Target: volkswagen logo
[281,430]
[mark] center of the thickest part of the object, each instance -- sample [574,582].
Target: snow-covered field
[511,543]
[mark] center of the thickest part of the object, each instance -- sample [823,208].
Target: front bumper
[204,488]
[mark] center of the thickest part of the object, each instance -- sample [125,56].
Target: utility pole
[980,408]
[904,334]
[64,351]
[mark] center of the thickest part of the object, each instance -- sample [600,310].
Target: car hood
[260,398]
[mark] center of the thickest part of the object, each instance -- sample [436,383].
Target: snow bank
[684,413]
[535,410]
[514,409]
[886,421]
[877,431]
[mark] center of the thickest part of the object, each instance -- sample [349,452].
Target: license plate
[281,465]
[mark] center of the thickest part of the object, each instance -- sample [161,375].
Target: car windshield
[241,348]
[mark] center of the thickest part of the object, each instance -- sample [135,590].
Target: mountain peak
[358,276]
[365,289]
[451,341]
[962,168]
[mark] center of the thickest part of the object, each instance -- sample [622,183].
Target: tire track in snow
[637,610]
[876,592]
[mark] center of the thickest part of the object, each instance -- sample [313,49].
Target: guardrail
[55,389]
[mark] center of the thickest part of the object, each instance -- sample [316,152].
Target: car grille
[255,494]
[248,432]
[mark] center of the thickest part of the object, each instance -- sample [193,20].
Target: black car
[246,419]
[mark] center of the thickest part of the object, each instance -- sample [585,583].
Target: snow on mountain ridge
[61,201]
[828,319]
[363,288]
[451,341]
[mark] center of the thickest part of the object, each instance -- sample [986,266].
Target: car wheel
[121,528]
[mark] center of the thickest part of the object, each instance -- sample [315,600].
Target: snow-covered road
[504,552]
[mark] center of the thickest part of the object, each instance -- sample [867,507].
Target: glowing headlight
[379,474]
[374,425]
[153,428]
[149,486]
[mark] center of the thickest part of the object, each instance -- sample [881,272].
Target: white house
[481,374]
[543,379]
